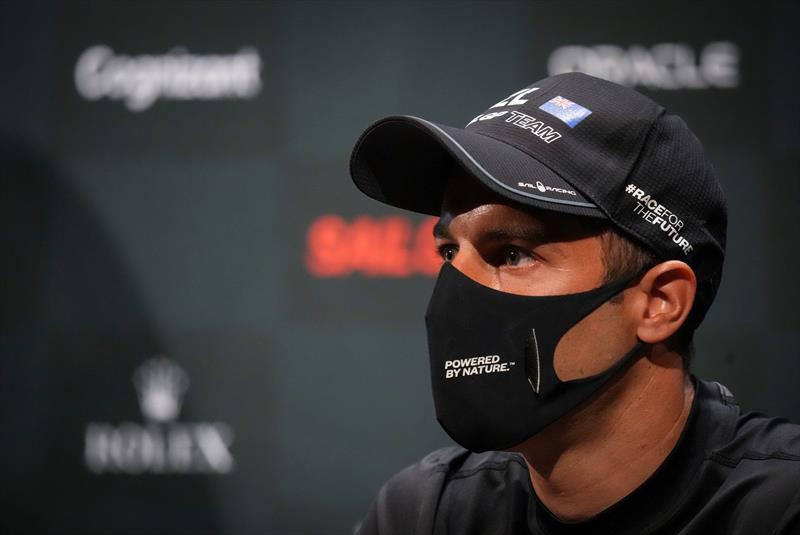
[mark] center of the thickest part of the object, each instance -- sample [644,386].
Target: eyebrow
[534,233]
[442,230]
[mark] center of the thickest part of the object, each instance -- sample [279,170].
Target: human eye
[515,256]
[447,251]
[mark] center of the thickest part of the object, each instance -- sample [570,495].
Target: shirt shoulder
[761,439]
[410,502]
[763,464]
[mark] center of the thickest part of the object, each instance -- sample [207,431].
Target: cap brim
[403,161]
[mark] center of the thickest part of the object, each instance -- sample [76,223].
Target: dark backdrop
[206,328]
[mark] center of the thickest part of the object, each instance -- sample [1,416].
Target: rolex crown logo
[160,384]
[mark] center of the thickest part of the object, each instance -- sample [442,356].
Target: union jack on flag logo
[562,102]
[568,111]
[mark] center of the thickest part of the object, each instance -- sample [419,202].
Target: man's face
[523,251]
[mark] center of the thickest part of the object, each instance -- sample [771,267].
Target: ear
[664,299]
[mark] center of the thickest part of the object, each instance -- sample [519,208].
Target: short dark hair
[623,258]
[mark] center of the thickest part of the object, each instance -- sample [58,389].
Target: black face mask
[491,355]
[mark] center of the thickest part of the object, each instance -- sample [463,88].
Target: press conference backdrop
[207,329]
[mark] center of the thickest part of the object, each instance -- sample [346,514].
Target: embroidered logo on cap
[570,112]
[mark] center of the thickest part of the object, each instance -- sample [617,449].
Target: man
[583,235]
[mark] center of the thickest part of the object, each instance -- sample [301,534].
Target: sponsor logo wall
[664,66]
[161,444]
[139,81]
[391,246]
[211,330]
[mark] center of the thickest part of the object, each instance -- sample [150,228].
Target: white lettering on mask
[475,366]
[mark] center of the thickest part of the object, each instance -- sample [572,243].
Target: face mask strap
[534,370]
[611,290]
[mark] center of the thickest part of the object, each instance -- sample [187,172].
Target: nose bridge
[470,262]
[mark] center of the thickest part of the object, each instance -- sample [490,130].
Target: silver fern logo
[162,444]
[161,385]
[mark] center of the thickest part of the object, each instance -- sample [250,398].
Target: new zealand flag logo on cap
[570,112]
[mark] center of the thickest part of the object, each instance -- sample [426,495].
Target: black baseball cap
[570,143]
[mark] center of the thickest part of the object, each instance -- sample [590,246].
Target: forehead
[468,201]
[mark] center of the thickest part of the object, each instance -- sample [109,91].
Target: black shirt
[730,473]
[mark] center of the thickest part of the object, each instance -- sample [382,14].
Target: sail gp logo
[475,366]
[161,445]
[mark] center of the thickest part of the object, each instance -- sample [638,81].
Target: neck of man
[604,449]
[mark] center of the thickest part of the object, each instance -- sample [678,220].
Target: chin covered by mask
[492,359]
